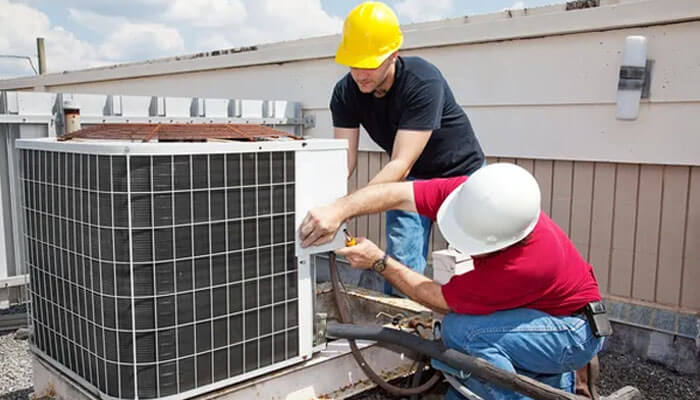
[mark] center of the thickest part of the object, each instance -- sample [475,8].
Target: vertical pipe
[71,112]
[41,55]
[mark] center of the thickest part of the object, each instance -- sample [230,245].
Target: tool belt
[597,317]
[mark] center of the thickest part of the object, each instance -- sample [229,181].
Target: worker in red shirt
[531,304]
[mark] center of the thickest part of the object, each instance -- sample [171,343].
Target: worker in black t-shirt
[407,108]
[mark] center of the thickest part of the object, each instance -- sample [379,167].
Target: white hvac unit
[166,270]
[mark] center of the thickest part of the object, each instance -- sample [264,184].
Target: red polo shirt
[545,273]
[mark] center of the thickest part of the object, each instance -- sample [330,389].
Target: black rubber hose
[478,367]
[415,381]
[345,317]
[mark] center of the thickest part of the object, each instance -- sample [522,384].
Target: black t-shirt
[419,99]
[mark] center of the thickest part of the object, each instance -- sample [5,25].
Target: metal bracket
[309,121]
[647,78]
[321,324]
[636,78]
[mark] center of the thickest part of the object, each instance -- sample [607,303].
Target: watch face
[379,265]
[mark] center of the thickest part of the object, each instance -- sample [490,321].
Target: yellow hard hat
[371,33]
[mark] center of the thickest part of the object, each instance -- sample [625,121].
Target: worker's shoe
[587,379]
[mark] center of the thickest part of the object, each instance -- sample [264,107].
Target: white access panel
[314,168]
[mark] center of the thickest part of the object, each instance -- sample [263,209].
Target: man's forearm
[378,198]
[352,136]
[393,171]
[416,286]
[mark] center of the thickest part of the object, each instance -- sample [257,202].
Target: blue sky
[87,33]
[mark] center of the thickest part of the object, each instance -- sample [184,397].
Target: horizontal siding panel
[690,295]
[624,220]
[543,174]
[601,223]
[647,237]
[581,205]
[673,213]
[527,164]
[562,181]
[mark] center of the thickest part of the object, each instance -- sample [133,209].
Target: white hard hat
[497,206]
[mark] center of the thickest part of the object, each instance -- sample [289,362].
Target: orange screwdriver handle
[349,239]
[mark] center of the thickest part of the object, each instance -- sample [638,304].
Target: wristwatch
[380,264]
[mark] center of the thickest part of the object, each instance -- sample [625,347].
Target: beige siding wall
[637,224]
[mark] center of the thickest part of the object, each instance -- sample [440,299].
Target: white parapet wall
[536,83]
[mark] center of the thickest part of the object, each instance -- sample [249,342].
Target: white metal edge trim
[13,281]
[337,359]
[189,394]
[124,147]
[16,203]
[305,309]
[614,16]
[25,119]
[71,379]
[4,248]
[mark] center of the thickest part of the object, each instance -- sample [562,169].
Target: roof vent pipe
[71,114]
[41,55]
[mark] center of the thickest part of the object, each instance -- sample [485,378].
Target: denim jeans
[525,341]
[407,241]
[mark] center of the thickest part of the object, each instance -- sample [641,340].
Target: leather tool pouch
[598,319]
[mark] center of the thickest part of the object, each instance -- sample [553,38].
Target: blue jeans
[407,241]
[529,342]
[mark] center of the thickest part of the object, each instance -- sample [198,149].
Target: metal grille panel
[155,275]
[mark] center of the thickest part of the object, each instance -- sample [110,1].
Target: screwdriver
[349,239]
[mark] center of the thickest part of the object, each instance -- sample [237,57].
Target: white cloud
[217,24]
[99,33]
[142,41]
[93,21]
[123,40]
[20,25]
[206,13]
[421,10]
[292,20]
[271,21]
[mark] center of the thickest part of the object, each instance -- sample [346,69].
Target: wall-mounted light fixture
[634,79]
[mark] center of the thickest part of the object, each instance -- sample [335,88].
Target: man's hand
[362,255]
[320,226]
[413,284]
